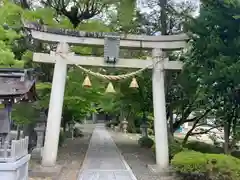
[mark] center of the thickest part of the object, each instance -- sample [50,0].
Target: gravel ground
[136,157]
[71,155]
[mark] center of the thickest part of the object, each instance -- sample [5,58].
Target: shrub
[146,142]
[196,165]
[77,132]
[203,147]
[150,132]
[236,154]
[174,148]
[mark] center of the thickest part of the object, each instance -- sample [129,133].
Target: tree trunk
[171,130]
[163,18]
[234,135]
[189,133]
[24,4]
[226,137]
[185,140]
[64,126]
[18,132]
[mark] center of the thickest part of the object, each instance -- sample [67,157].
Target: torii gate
[64,37]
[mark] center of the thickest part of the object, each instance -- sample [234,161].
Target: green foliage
[78,100]
[126,12]
[43,91]
[217,166]
[174,148]
[203,147]
[189,161]
[9,14]
[215,47]
[150,132]
[145,142]
[47,15]
[25,113]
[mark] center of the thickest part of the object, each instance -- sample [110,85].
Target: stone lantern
[4,123]
[144,127]
[71,128]
[124,125]
[40,130]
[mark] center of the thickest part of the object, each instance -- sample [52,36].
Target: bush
[236,154]
[77,132]
[195,165]
[146,142]
[203,147]
[174,148]
[150,132]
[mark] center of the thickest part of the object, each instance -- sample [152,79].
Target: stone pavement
[103,160]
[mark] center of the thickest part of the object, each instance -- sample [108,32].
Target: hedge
[203,147]
[194,165]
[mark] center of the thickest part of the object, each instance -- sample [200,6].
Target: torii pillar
[159,106]
[50,149]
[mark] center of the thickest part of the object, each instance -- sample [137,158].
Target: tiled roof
[16,82]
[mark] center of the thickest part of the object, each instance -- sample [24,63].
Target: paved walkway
[103,160]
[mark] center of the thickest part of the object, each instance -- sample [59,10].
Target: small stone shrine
[16,85]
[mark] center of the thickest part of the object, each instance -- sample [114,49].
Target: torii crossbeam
[64,37]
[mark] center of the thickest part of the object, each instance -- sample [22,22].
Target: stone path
[137,158]
[103,160]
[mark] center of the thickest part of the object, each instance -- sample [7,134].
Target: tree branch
[24,4]
[204,132]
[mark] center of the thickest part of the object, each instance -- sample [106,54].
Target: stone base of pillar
[15,170]
[167,172]
[40,171]
[37,153]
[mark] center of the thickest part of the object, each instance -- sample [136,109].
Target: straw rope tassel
[110,88]
[87,82]
[134,83]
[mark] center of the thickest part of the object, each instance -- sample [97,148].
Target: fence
[11,151]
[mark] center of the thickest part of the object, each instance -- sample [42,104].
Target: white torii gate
[63,57]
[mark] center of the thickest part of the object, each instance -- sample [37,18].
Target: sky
[147,9]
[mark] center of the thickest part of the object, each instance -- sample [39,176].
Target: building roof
[17,84]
